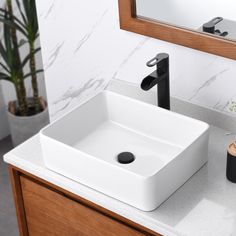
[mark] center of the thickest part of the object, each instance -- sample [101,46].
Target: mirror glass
[215,17]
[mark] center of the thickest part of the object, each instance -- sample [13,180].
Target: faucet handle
[159,58]
[209,27]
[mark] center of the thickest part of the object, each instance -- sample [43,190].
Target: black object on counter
[231,163]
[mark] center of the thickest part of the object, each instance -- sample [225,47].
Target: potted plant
[26,115]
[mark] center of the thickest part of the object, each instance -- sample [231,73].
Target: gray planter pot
[22,128]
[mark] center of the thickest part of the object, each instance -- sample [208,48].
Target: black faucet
[159,77]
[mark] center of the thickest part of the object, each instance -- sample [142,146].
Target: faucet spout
[159,77]
[149,81]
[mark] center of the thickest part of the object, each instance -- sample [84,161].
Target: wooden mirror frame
[188,38]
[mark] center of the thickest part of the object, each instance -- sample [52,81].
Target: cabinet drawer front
[51,213]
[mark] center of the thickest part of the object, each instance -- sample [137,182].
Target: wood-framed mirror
[134,17]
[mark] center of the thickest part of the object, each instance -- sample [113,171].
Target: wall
[83,48]
[4,129]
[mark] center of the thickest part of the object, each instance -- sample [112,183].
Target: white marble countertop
[204,206]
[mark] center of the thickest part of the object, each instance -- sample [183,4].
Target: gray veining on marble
[126,59]
[95,46]
[217,105]
[208,83]
[71,94]
[89,34]
[54,54]
[49,9]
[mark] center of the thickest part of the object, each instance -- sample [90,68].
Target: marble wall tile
[84,48]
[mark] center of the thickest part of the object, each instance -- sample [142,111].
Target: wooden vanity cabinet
[44,209]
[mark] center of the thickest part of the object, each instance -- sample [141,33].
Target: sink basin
[167,148]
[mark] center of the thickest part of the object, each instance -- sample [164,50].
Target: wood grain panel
[50,213]
[16,174]
[19,204]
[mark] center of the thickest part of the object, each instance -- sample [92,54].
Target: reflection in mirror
[216,17]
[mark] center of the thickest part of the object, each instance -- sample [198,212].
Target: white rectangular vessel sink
[164,148]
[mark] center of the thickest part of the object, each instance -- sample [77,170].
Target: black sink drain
[125,157]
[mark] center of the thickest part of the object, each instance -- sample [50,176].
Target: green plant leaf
[26,59]
[26,5]
[3,11]
[30,74]
[21,12]
[22,42]
[4,67]
[8,42]
[5,77]
[13,25]
[3,53]
[34,16]
[30,16]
